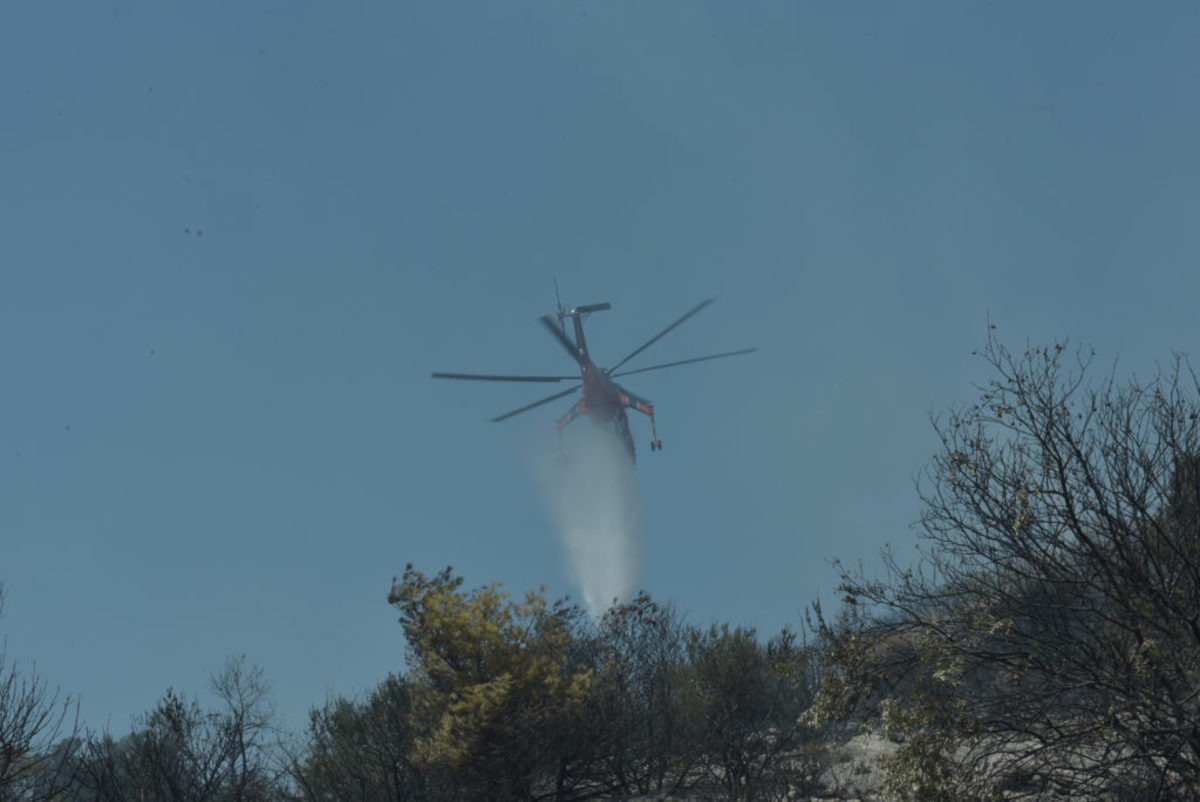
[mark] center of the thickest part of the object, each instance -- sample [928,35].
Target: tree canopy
[1050,635]
[1045,642]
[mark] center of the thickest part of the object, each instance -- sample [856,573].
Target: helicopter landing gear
[655,443]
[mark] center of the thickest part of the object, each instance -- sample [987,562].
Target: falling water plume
[591,494]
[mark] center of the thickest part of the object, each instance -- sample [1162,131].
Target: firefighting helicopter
[603,399]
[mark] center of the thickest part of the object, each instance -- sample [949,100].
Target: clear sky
[235,238]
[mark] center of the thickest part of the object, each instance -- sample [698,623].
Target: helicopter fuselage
[603,400]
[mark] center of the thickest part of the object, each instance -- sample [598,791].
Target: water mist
[590,489]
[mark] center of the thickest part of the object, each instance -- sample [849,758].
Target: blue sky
[235,238]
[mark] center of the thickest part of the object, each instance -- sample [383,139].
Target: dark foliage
[1052,630]
[37,733]
[363,750]
[180,752]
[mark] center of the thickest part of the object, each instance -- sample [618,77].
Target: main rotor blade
[558,335]
[489,378]
[684,362]
[528,407]
[659,336]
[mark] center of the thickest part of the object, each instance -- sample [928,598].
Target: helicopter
[603,400]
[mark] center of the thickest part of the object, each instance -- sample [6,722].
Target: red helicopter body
[602,399]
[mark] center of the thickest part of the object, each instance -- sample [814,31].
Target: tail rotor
[562,313]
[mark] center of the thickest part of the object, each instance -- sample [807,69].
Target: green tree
[502,688]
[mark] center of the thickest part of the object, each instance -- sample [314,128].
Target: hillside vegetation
[1046,645]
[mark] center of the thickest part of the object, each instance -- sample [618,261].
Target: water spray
[591,495]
